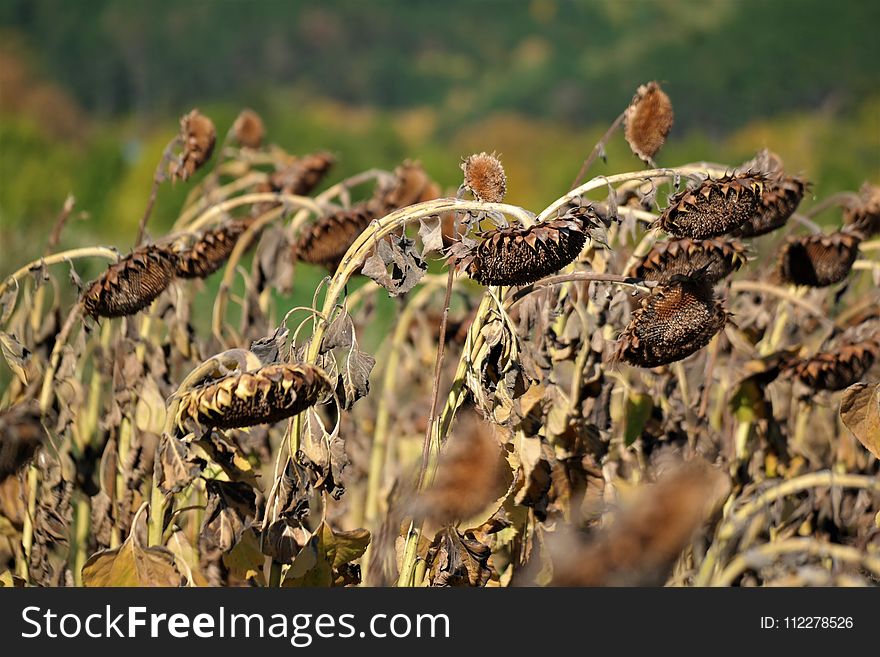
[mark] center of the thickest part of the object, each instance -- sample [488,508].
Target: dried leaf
[16,355]
[230,511]
[176,466]
[354,377]
[860,412]
[431,234]
[132,564]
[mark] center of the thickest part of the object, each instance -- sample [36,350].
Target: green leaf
[638,411]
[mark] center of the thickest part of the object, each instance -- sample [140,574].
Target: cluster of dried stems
[610,391]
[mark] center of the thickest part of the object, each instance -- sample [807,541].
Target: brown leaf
[230,511]
[860,412]
[16,355]
[132,564]
[459,560]
[176,466]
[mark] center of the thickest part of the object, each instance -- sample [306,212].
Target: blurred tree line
[90,91]
[557,59]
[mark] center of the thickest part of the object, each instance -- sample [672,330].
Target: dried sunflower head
[212,248]
[864,218]
[714,207]
[303,174]
[648,121]
[716,258]
[517,255]
[837,369]
[676,320]
[198,136]
[132,283]
[410,185]
[262,396]
[326,241]
[818,260]
[779,200]
[248,129]
[484,177]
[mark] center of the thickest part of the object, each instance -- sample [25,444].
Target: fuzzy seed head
[713,208]
[198,136]
[302,175]
[818,260]
[676,320]
[484,177]
[131,284]
[648,121]
[248,129]
[262,396]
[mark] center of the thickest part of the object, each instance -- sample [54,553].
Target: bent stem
[56,258]
[768,553]
[597,149]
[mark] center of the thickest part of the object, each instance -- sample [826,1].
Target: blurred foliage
[90,95]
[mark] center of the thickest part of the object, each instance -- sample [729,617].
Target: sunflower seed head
[817,260]
[717,257]
[248,129]
[132,283]
[208,253]
[714,207]
[863,218]
[263,396]
[517,255]
[484,177]
[198,136]
[676,320]
[779,200]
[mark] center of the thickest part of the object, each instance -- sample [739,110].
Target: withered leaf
[354,376]
[7,302]
[231,510]
[335,552]
[132,564]
[407,265]
[459,560]
[16,355]
[245,560]
[339,334]
[291,500]
[324,454]
[150,407]
[860,412]
[284,539]
[431,234]
[175,465]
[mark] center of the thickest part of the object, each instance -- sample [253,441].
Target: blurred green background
[91,91]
